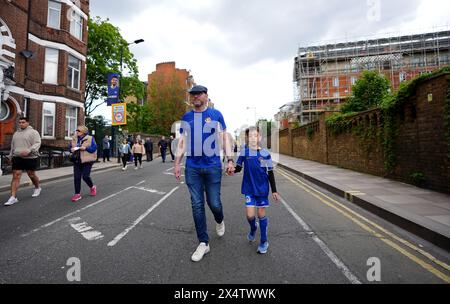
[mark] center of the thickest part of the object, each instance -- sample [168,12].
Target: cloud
[250,45]
[254,30]
[119,10]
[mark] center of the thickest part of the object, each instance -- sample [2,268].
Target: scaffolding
[324,74]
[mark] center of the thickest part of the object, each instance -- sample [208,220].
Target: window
[4,111]
[76,25]
[73,73]
[51,66]
[54,14]
[48,119]
[402,76]
[335,82]
[71,121]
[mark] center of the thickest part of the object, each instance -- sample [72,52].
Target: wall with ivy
[407,138]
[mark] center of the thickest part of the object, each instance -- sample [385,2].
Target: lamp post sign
[119,114]
[113,88]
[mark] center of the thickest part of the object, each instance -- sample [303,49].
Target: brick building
[324,74]
[43,47]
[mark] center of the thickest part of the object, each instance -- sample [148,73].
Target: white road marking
[150,190]
[170,173]
[75,212]
[171,168]
[139,219]
[345,271]
[85,230]
[140,183]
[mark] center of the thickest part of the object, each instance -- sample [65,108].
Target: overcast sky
[243,50]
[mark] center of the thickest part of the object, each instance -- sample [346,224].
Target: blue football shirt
[256,165]
[203,141]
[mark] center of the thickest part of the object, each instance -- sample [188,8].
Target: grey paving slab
[426,210]
[402,199]
[443,219]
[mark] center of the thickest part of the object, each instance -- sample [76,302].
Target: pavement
[423,212]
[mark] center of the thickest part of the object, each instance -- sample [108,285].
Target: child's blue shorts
[256,201]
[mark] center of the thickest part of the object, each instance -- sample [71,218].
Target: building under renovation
[324,74]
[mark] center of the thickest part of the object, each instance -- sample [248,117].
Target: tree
[368,92]
[104,51]
[166,101]
[139,118]
[98,125]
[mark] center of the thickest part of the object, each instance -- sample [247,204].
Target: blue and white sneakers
[262,248]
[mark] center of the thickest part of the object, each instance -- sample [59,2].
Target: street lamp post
[114,141]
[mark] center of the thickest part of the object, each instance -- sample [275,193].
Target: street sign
[119,114]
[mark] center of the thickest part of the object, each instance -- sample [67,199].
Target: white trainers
[201,250]
[220,229]
[12,200]
[36,192]
[135,168]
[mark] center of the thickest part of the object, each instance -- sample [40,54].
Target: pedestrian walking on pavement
[258,174]
[24,155]
[84,153]
[148,145]
[170,147]
[203,171]
[162,144]
[106,148]
[124,152]
[138,151]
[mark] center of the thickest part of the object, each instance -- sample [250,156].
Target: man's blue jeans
[200,181]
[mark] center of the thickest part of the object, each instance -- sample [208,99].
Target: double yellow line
[384,235]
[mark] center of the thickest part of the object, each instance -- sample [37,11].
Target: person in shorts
[258,174]
[24,156]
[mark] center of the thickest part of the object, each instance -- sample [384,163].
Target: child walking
[258,174]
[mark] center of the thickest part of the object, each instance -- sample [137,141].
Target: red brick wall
[313,147]
[29,74]
[420,147]
[285,142]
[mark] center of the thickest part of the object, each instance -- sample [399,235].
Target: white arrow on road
[85,230]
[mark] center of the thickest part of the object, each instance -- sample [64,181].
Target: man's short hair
[24,118]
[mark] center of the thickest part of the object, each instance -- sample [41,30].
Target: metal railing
[49,158]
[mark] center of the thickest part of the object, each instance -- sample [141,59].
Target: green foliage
[368,92]
[417,178]
[98,124]
[309,132]
[339,122]
[104,53]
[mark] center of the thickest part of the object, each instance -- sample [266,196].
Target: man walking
[24,156]
[148,145]
[170,148]
[203,131]
[106,148]
[162,144]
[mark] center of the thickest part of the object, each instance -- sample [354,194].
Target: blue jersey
[203,145]
[256,164]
